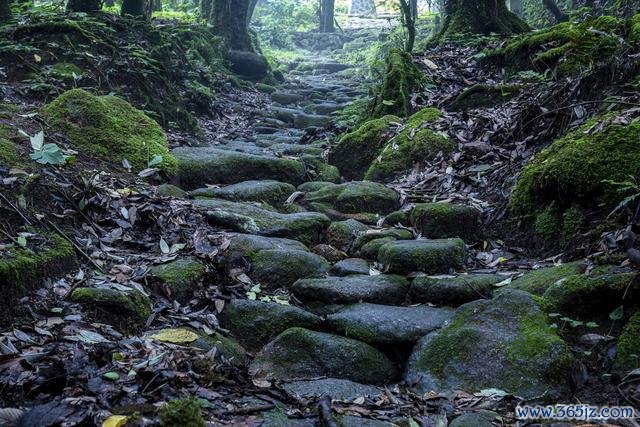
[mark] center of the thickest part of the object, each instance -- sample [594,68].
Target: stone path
[370,306]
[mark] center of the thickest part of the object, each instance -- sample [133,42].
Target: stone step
[272,192]
[427,256]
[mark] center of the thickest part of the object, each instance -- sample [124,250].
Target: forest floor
[284,259]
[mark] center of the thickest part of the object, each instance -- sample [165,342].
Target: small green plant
[46,154]
[562,322]
[631,188]
[182,412]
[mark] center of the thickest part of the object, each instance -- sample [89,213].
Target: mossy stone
[371,249]
[350,266]
[387,325]
[628,347]
[310,186]
[320,170]
[247,245]
[169,190]
[536,282]
[342,234]
[416,143]
[268,191]
[209,165]
[109,127]
[299,353]
[306,227]
[443,220]
[503,343]
[453,291]
[428,256]
[277,268]
[262,87]
[180,277]
[397,217]
[22,271]
[394,233]
[380,289]
[227,349]
[132,305]
[357,149]
[354,197]
[255,323]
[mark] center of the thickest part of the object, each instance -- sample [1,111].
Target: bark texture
[230,20]
[480,17]
[86,6]
[139,8]
[327,14]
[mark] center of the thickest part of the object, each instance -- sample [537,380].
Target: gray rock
[180,277]
[298,353]
[354,197]
[201,165]
[286,98]
[248,64]
[384,324]
[336,388]
[350,266]
[306,227]
[255,323]
[428,256]
[278,268]
[272,192]
[381,289]
[503,343]
[395,233]
[475,419]
[342,234]
[443,220]
[453,290]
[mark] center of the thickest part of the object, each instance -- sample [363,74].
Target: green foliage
[182,412]
[628,349]
[275,21]
[109,127]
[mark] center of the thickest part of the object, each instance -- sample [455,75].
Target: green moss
[538,281]
[109,127]
[226,348]
[628,347]
[441,220]
[400,80]
[8,153]
[180,276]
[65,71]
[634,32]
[533,341]
[181,413]
[357,149]
[133,304]
[262,87]
[568,47]
[415,144]
[572,174]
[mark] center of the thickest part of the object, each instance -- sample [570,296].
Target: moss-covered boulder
[400,80]
[443,220]
[387,325]
[482,95]
[179,278]
[416,143]
[281,268]
[306,227]
[271,192]
[536,282]
[428,256]
[115,305]
[22,270]
[380,289]
[342,234]
[198,166]
[377,234]
[504,343]
[357,149]
[310,186]
[573,172]
[567,48]
[354,197]
[628,347]
[319,170]
[453,290]
[299,353]
[109,127]
[255,323]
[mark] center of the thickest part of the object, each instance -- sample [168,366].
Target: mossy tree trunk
[557,13]
[327,15]
[230,20]
[480,17]
[138,8]
[5,11]
[86,6]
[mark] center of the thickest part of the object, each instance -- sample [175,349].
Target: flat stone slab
[353,198]
[255,323]
[428,256]
[336,388]
[350,267]
[453,290]
[443,220]
[384,324]
[299,353]
[280,268]
[381,289]
[201,165]
[306,227]
[272,192]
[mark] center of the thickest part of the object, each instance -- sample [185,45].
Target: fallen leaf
[175,336]
[115,421]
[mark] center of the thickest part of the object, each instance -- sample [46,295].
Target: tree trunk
[362,7]
[230,20]
[558,14]
[409,22]
[414,9]
[480,17]
[86,6]
[138,8]
[327,15]
[5,11]
[516,7]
